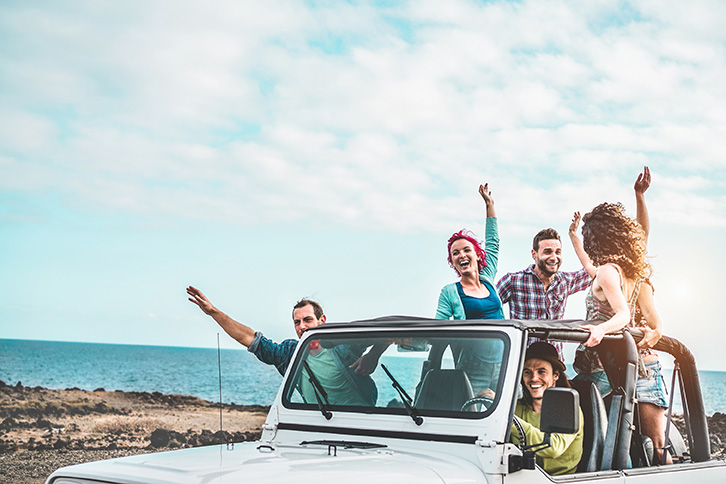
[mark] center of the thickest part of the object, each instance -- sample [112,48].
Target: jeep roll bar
[693,408]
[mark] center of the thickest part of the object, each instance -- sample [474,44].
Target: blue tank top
[475,353]
[489,307]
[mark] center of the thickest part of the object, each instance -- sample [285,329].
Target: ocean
[194,371]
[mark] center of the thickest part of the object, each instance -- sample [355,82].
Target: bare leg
[653,424]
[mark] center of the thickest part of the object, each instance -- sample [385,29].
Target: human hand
[487,393]
[643,181]
[486,194]
[198,298]
[365,365]
[575,223]
[650,337]
[596,334]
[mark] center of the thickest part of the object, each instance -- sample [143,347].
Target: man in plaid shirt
[540,291]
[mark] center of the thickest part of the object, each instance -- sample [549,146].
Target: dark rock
[167,438]
[43,424]
[99,389]
[101,407]
[8,446]
[60,444]
[716,444]
[159,438]
[179,437]
[8,423]
[78,445]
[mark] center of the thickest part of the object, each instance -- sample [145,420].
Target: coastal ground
[42,430]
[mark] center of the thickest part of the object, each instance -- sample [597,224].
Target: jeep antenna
[219,367]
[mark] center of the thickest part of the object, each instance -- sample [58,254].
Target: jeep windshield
[419,373]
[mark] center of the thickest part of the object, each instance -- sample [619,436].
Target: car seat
[444,390]
[595,425]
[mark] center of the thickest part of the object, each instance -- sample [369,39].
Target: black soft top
[568,329]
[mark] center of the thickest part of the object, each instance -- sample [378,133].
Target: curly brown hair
[609,236]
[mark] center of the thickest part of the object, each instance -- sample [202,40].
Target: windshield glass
[451,373]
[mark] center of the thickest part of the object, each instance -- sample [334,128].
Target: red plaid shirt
[528,299]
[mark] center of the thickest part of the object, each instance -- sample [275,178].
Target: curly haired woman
[615,248]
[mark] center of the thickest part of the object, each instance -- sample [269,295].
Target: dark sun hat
[545,351]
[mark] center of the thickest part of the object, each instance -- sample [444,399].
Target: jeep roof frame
[619,354]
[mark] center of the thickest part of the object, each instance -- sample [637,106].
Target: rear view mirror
[560,411]
[411,344]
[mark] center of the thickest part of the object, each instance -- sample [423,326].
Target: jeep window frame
[433,360]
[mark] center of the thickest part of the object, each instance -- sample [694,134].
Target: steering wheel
[485,401]
[520,431]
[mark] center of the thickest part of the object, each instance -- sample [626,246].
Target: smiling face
[548,257]
[463,257]
[538,376]
[304,318]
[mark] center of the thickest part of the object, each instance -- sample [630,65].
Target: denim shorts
[599,378]
[652,389]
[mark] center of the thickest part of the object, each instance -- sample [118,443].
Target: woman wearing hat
[542,370]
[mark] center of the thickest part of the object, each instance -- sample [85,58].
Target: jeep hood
[251,462]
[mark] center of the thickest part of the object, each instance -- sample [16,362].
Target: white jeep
[418,417]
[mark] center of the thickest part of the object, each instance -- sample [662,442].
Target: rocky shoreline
[43,429]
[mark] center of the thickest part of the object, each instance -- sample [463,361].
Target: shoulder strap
[636,292]
[633,299]
[636,286]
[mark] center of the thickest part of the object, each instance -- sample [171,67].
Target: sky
[269,151]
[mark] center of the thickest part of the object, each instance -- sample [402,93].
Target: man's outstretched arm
[243,334]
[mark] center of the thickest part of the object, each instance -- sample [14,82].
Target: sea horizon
[143,368]
[190,371]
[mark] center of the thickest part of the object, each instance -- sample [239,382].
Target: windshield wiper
[346,444]
[407,401]
[320,395]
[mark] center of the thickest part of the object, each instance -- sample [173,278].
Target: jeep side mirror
[560,411]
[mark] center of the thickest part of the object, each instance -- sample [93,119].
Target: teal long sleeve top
[449,301]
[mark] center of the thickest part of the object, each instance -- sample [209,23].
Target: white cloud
[243,108]
[249,118]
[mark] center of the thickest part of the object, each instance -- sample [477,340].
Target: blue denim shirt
[278,354]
